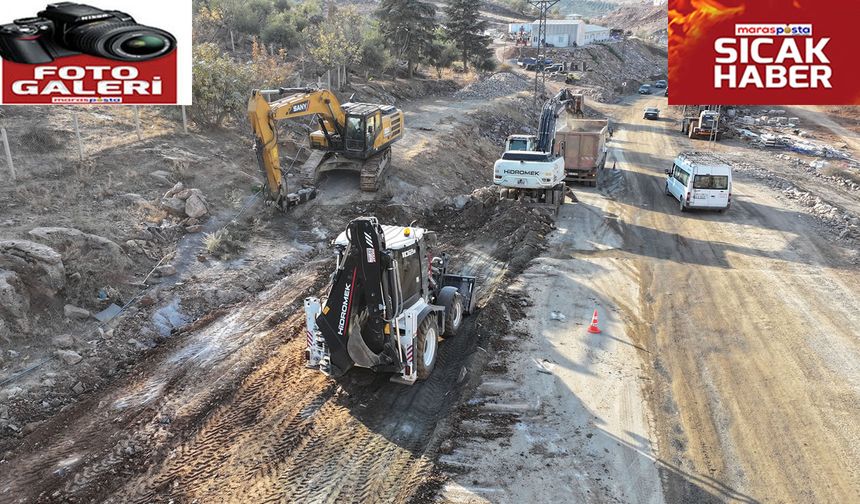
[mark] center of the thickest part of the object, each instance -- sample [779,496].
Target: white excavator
[531,169]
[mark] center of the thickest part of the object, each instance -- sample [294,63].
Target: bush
[221,86]
[279,30]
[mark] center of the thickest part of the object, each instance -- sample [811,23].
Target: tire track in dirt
[290,434]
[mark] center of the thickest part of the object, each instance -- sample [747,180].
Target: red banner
[89,80]
[764,52]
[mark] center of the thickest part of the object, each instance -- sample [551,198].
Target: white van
[700,180]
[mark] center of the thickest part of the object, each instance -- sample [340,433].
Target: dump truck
[582,144]
[701,121]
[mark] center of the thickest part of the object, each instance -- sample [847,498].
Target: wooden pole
[232,41]
[184,120]
[8,153]
[137,122]
[78,135]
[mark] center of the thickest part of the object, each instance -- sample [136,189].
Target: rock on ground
[174,206]
[82,252]
[74,312]
[14,303]
[195,205]
[69,357]
[38,266]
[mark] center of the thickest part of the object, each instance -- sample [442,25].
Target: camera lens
[120,40]
[144,45]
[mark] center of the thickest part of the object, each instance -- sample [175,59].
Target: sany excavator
[352,136]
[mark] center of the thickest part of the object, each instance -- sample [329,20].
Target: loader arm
[358,290]
[295,102]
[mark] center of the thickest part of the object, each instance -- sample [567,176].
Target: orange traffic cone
[593,329]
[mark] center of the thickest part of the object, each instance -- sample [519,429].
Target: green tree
[442,53]
[279,30]
[407,26]
[465,28]
[221,87]
[338,41]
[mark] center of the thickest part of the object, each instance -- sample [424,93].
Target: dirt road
[739,330]
[751,320]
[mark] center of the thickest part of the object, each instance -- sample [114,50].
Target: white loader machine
[529,169]
[388,304]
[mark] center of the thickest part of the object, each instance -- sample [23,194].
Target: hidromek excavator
[389,302]
[531,168]
[352,136]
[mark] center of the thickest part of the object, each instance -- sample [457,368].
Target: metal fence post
[184,120]
[8,153]
[137,122]
[78,135]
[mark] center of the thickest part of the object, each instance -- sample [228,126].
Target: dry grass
[223,243]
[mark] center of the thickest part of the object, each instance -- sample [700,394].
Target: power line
[543,7]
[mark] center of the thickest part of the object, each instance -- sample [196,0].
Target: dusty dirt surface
[750,318]
[222,408]
[737,330]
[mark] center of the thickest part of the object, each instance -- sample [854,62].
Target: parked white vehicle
[700,180]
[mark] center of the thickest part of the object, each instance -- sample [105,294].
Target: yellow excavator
[352,136]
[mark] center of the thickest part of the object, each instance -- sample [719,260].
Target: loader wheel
[453,315]
[426,346]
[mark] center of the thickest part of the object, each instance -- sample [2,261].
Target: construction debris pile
[495,86]
[607,67]
[774,129]
[835,220]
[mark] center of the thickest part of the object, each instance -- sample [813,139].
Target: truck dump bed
[582,144]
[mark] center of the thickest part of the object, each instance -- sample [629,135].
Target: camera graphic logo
[70,29]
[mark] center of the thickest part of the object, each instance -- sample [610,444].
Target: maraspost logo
[94,53]
[769,52]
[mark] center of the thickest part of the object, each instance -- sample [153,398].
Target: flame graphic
[691,20]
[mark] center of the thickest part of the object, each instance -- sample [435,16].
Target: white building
[567,32]
[595,33]
[515,28]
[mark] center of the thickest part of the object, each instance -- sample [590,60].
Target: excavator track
[373,169]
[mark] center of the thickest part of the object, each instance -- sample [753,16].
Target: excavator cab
[356,138]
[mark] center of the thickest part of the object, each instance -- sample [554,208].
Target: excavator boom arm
[295,102]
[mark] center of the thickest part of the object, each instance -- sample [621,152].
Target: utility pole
[543,7]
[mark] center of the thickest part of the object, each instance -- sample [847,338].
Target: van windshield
[719,182]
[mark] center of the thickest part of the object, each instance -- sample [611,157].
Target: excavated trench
[227,412]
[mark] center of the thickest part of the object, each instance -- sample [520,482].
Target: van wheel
[425,346]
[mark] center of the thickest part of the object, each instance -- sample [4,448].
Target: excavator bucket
[466,285]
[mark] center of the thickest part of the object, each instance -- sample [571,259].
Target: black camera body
[68,29]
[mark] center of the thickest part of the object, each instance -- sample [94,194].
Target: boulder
[38,266]
[75,313]
[14,302]
[69,357]
[195,206]
[176,189]
[166,270]
[82,252]
[174,206]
